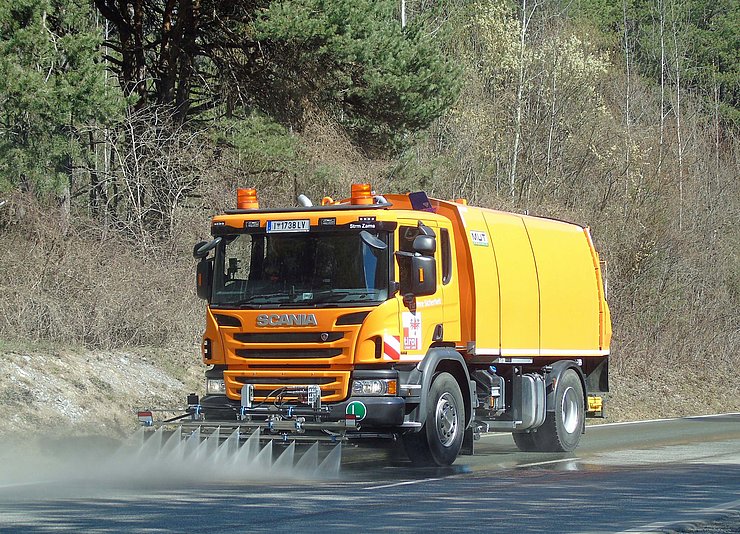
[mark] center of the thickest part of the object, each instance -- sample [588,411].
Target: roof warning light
[362,194]
[246,199]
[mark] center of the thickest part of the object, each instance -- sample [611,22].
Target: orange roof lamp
[246,199]
[362,194]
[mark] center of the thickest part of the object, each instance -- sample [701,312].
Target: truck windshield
[292,270]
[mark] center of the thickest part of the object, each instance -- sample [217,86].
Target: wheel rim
[569,411]
[446,418]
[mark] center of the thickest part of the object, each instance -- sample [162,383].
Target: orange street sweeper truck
[401,317]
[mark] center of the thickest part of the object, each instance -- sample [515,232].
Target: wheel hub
[446,419]
[569,410]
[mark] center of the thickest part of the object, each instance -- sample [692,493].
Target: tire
[439,441]
[562,428]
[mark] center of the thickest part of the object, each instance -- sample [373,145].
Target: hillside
[622,116]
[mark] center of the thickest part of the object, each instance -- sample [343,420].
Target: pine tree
[349,58]
[52,87]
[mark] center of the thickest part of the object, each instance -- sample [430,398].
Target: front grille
[353,318]
[264,393]
[288,354]
[293,381]
[227,320]
[308,367]
[289,337]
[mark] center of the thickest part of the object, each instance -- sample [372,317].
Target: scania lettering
[287,319]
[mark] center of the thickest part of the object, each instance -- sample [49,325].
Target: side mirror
[202,248]
[196,249]
[372,241]
[423,275]
[203,278]
[425,245]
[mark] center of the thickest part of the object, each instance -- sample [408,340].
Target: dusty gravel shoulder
[45,389]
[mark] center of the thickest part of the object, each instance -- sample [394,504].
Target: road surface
[653,476]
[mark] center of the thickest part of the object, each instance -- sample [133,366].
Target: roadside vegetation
[124,125]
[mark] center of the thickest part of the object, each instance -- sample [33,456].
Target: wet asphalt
[679,475]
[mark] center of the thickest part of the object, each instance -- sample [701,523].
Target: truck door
[449,285]
[421,325]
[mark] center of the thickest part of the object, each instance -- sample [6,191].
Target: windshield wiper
[267,298]
[352,295]
[329,295]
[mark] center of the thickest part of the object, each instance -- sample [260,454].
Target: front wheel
[562,428]
[440,439]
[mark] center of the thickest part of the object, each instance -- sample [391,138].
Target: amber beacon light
[246,199]
[362,194]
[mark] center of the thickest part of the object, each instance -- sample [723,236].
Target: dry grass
[87,289]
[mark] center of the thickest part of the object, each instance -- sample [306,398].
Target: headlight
[215,386]
[374,386]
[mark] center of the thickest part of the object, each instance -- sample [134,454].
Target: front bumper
[372,413]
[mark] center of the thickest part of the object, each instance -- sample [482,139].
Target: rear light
[246,199]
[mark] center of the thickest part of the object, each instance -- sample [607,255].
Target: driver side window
[406,235]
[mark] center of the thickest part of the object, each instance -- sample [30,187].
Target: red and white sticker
[412,331]
[392,347]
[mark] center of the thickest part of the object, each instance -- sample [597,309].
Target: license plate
[297,225]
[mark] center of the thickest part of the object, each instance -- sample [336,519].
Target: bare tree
[158,162]
[627,92]
[526,17]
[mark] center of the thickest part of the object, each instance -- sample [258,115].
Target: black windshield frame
[333,268]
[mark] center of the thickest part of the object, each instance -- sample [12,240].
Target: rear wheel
[562,428]
[439,440]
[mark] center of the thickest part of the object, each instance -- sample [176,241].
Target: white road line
[406,483]
[25,484]
[662,420]
[711,415]
[411,482]
[718,510]
[520,466]
[490,435]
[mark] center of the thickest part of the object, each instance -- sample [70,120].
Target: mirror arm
[425,230]
[409,300]
[203,250]
[404,254]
